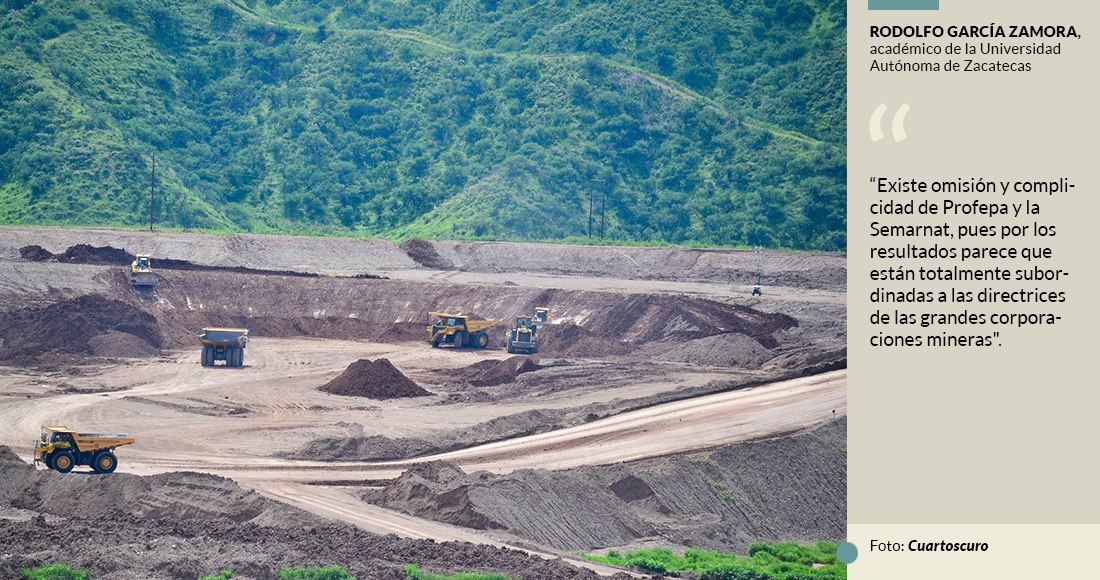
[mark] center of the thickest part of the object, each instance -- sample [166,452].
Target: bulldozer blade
[144,279]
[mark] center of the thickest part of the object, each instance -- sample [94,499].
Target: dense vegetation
[786,561]
[708,121]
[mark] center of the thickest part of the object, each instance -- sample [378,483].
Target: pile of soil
[782,489]
[723,350]
[188,525]
[423,252]
[375,380]
[86,254]
[115,344]
[438,490]
[362,448]
[35,253]
[643,318]
[171,264]
[81,326]
[488,373]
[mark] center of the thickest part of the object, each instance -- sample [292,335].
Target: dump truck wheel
[207,356]
[435,343]
[240,357]
[105,462]
[63,462]
[481,340]
[460,339]
[230,357]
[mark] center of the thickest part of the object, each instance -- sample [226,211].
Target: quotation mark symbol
[897,127]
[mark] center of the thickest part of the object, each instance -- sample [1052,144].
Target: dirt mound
[375,380]
[79,326]
[423,252]
[488,373]
[725,350]
[643,318]
[782,489]
[35,253]
[171,264]
[115,344]
[436,489]
[368,448]
[86,254]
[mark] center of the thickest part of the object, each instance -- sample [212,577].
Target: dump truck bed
[224,337]
[97,441]
[471,325]
[476,325]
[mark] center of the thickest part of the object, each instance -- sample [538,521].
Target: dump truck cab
[61,449]
[523,336]
[458,330]
[225,344]
[141,272]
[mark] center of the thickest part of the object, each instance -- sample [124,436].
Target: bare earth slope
[787,488]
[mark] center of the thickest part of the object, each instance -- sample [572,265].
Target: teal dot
[846,553]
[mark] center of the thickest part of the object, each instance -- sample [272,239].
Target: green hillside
[710,121]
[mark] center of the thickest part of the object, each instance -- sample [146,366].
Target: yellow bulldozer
[141,272]
[458,330]
[61,449]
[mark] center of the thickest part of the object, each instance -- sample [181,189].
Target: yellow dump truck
[61,449]
[458,330]
[225,344]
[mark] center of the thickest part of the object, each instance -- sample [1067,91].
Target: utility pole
[603,207]
[590,196]
[152,191]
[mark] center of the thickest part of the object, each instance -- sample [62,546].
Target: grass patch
[784,561]
[53,572]
[315,573]
[412,572]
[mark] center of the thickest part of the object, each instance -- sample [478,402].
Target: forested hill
[708,121]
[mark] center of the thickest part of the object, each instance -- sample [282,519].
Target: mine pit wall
[391,311]
[327,255]
[799,269]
